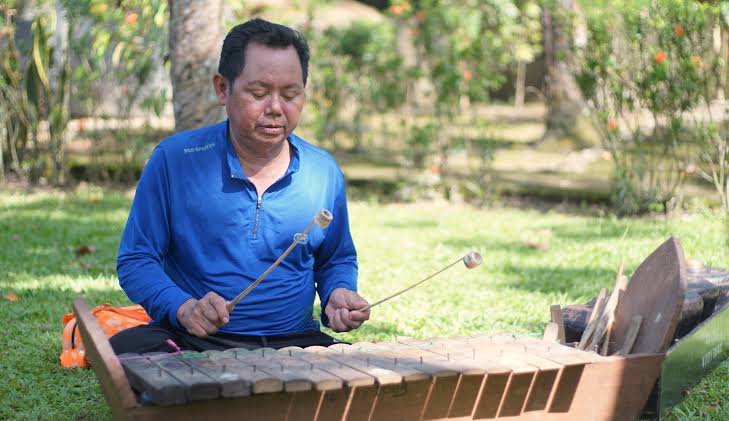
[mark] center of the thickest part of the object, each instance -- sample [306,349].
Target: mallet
[471,260]
[323,219]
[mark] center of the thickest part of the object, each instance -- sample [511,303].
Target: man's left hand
[343,310]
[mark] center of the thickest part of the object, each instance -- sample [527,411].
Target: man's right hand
[203,317]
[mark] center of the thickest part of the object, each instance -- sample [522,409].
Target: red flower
[467,75]
[660,57]
[697,61]
[396,9]
[420,16]
[131,18]
[612,125]
[678,30]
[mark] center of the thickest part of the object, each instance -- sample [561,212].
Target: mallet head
[472,259]
[323,218]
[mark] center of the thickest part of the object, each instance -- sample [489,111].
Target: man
[216,206]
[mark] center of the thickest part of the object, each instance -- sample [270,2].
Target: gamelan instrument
[466,377]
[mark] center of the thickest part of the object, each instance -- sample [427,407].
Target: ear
[220,83]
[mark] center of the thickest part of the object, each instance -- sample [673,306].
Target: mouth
[273,129]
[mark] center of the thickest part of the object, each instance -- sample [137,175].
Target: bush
[649,73]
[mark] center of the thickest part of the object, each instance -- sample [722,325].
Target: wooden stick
[600,296]
[621,283]
[594,318]
[551,332]
[555,312]
[471,260]
[323,219]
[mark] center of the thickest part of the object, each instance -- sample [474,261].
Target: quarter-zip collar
[236,170]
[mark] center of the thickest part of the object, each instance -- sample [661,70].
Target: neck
[261,160]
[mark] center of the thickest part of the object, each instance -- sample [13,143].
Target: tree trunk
[520,84]
[564,99]
[196,35]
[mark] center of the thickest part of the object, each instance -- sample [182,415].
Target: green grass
[397,244]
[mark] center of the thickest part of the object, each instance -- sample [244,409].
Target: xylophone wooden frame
[609,388]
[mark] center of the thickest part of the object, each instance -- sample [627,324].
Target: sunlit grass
[397,244]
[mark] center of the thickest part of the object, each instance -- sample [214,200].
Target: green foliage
[34,88]
[650,73]
[464,49]
[356,72]
[108,46]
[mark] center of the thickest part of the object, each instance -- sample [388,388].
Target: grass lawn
[397,244]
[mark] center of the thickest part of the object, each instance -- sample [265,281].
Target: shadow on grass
[44,237]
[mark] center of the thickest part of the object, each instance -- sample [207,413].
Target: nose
[274,105]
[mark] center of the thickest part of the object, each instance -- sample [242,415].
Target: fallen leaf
[11,296]
[713,405]
[15,237]
[85,249]
[537,245]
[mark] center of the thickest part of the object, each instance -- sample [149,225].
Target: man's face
[267,97]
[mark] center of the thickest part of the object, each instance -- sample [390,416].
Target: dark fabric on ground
[151,338]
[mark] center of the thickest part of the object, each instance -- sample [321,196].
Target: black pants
[152,338]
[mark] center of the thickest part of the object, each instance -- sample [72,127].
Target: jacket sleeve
[145,242]
[336,258]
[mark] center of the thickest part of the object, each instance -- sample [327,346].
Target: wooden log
[691,313]
[574,318]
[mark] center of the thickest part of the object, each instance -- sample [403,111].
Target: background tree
[195,37]
[564,100]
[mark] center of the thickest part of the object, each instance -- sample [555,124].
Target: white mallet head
[323,218]
[472,259]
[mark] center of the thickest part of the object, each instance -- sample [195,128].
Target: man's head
[259,31]
[261,81]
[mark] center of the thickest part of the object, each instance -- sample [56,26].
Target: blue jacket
[196,225]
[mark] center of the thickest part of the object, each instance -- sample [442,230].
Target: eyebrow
[263,84]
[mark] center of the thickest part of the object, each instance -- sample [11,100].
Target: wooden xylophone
[476,377]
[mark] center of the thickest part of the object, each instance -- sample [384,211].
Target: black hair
[232,55]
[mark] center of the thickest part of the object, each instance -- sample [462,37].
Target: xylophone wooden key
[259,380]
[154,384]
[355,401]
[198,386]
[401,390]
[573,364]
[444,373]
[545,378]
[516,390]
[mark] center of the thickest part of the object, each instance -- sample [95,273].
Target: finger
[359,316]
[336,322]
[205,324]
[209,312]
[351,324]
[355,301]
[218,303]
[196,330]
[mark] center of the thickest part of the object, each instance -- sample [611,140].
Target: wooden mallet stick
[323,219]
[471,260]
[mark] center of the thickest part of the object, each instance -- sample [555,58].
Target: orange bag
[112,320]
